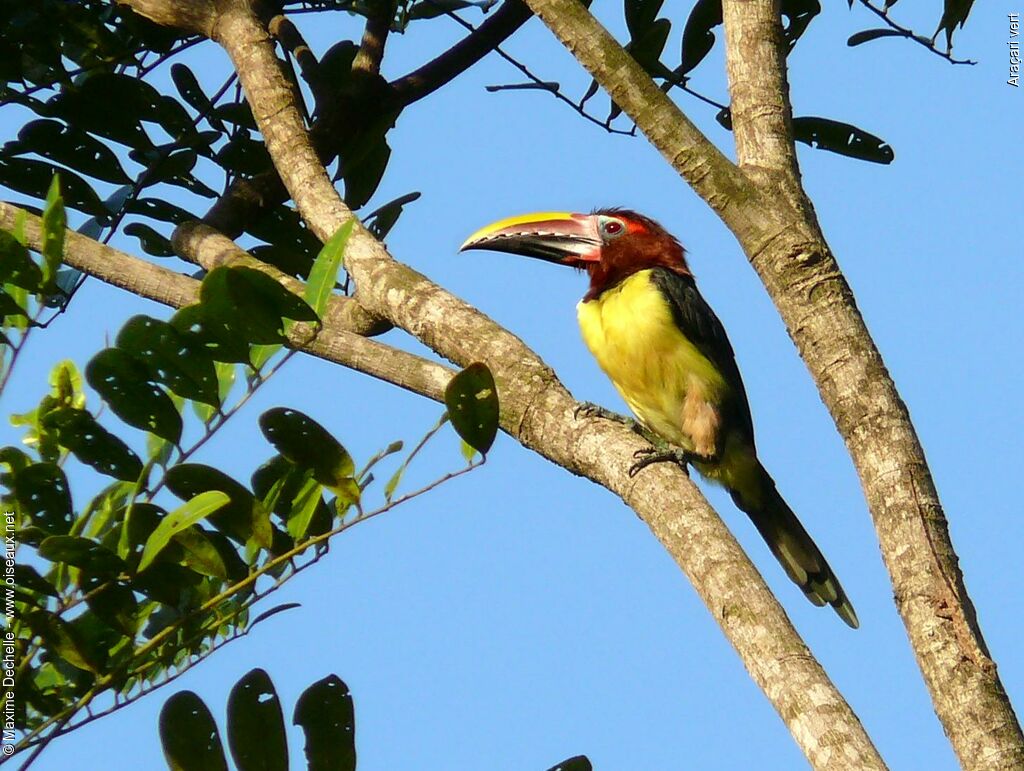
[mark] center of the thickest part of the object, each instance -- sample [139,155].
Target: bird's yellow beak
[562,237]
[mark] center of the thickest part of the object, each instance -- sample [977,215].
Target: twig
[909,33]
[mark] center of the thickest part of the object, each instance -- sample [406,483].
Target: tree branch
[340,339]
[460,57]
[375,36]
[782,240]
[538,411]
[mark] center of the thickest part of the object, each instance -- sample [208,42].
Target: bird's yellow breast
[666,381]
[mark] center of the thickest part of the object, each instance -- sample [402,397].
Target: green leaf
[305,504]
[252,304]
[177,361]
[43,494]
[842,138]
[66,640]
[472,400]
[308,445]
[324,273]
[327,716]
[243,518]
[124,383]
[200,554]
[17,266]
[92,444]
[256,734]
[184,516]
[70,146]
[54,225]
[189,735]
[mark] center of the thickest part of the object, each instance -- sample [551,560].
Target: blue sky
[520,615]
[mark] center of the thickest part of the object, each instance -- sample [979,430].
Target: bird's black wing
[701,326]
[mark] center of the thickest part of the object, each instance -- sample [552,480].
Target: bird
[669,357]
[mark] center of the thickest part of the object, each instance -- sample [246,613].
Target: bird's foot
[591,410]
[662,453]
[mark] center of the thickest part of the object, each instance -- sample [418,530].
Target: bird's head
[610,244]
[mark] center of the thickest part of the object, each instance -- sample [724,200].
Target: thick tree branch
[780,236]
[245,199]
[819,309]
[340,340]
[537,410]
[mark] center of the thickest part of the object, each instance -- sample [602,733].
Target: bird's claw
[649,455]
[591,410]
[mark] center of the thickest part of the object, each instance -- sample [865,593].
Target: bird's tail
[755,494]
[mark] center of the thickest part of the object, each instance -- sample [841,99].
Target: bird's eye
[612,228]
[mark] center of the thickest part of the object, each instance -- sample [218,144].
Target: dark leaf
[283,227]
[842,138]
[189,735]
[647,47]
[10,307]
[871,34]
[363,173]
[238,113]
[42,491]
[273,612]
[253,303]
[112,602]
[472,400]
[92,444]
[577,763]
[159,210]
[27,578]
[82,553]
[194,95]
[150,241]
[549,85]
[70,146]
[798,13]
[17,266]
[289,261]
[218,338]
[285,490]
[698,38]
[124,384]
[241,519]
[199,553]
[244,155]
[327,717]
[33,178]
[308,445]
[171,358]
[384,218]
[640,14]
[256,733]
